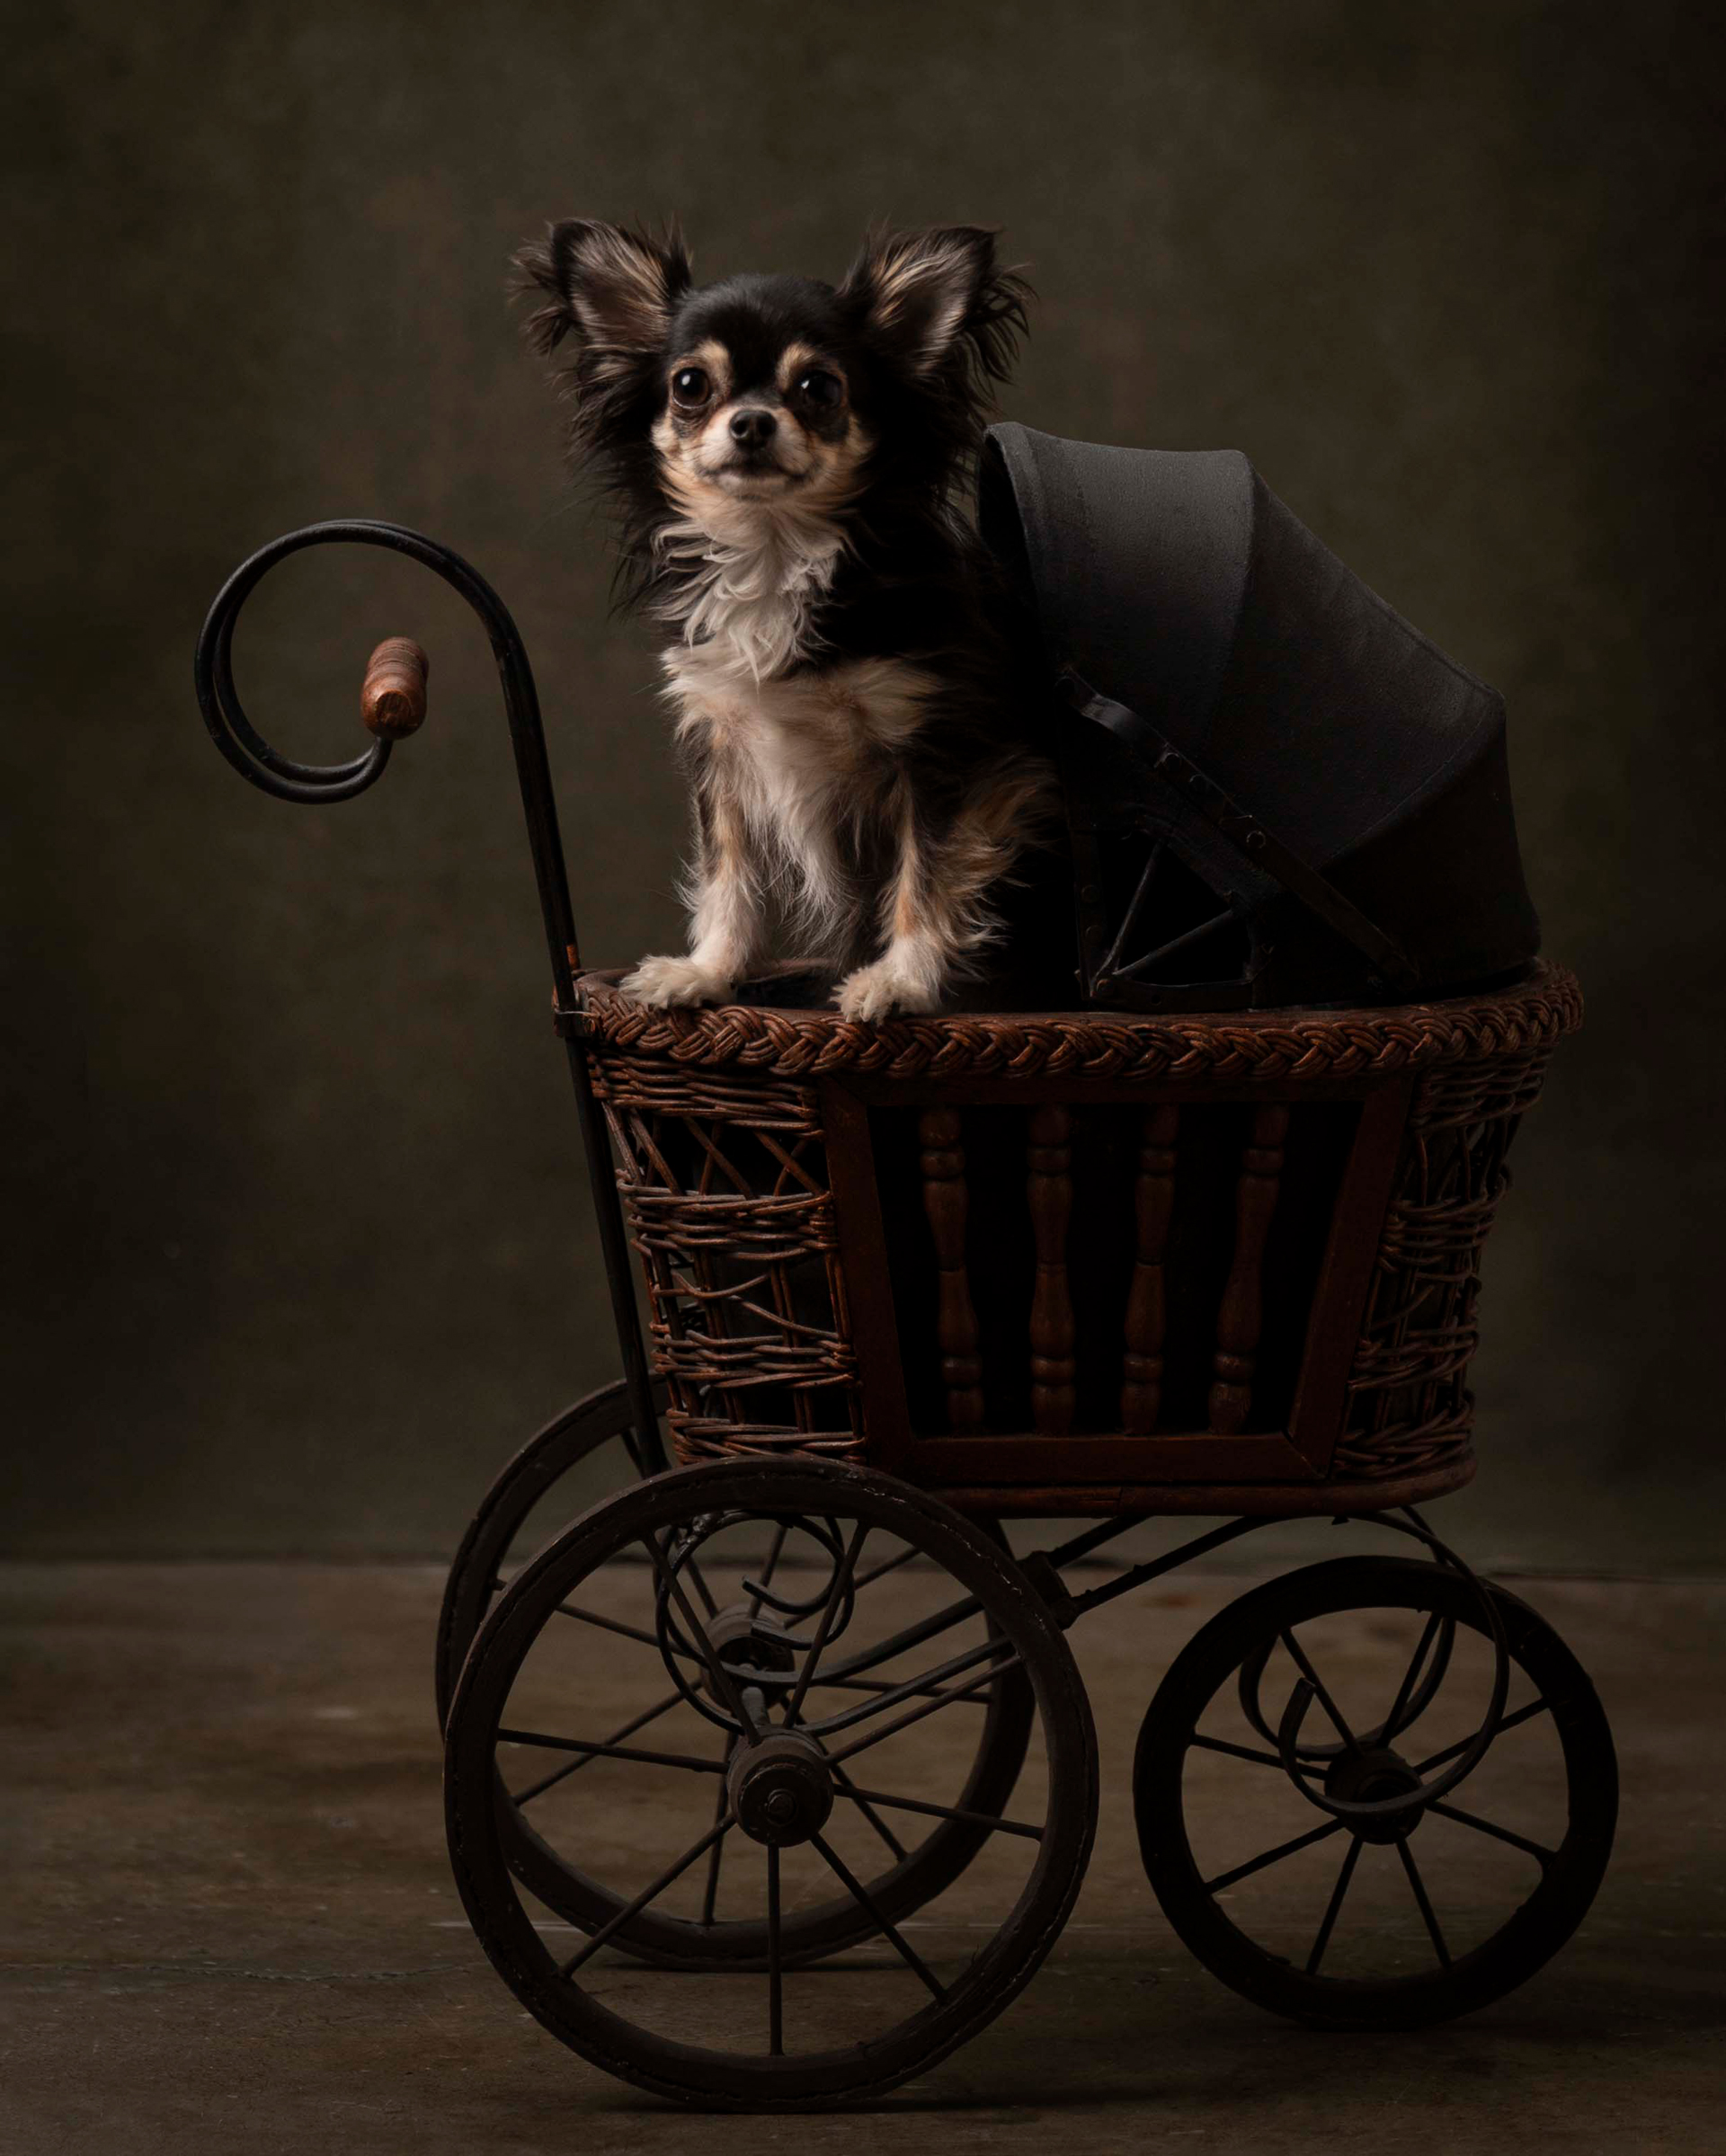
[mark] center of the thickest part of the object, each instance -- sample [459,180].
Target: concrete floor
[229,1924]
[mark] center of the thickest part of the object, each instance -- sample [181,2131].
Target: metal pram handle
[393,706]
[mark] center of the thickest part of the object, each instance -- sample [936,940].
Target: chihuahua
[788,458]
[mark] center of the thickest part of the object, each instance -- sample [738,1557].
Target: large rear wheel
[925,1855]
[739,1704]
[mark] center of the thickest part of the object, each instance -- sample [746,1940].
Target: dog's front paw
[665,981]
[875,992]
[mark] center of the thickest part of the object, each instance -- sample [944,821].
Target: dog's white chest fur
[802,756]
[823,725]
[799,753]
[751,582]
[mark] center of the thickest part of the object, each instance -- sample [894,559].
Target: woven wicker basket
[1080,1263]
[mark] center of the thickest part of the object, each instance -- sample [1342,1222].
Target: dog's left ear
[937,297]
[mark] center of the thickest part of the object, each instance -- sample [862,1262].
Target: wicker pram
[771,1777]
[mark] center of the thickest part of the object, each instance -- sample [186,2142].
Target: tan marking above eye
[799,359]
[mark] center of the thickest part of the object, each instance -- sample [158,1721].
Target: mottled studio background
[301,1242]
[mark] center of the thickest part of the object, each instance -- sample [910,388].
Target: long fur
[788,458]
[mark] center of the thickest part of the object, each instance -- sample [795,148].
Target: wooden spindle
[1147,1315]
[956,1322]
[1241,1316]
[1050,1188]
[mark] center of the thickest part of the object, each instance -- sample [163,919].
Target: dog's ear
[610,288]
[936,298]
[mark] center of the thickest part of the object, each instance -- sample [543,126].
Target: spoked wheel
[929,1856]
[1330,1816]
[559,1454]
[739,1703]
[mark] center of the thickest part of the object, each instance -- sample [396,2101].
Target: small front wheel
[723,1697]
[1293,1812]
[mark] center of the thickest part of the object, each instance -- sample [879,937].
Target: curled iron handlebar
[265,766]
[393,705]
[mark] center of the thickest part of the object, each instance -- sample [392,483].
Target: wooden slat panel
[1146,1316]
[1240,1314]
[1050,1188]
[955,1324]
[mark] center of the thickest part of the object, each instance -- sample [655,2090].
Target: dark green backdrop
[301,1240]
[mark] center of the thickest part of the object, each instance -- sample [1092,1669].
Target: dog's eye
[689,385]
[820,387]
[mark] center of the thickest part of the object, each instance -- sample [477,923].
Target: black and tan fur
[787,457]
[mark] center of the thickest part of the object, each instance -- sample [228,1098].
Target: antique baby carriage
[772,1778]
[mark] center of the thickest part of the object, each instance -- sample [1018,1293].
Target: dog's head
[775,391]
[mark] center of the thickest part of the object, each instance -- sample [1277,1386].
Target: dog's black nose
[753,427]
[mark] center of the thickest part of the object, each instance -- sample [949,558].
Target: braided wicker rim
[1238,1047]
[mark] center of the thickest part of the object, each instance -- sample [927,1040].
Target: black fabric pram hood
[1292,761]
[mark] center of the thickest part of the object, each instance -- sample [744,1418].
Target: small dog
[788,459]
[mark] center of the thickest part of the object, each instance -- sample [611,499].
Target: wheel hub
[1370,1777]
[781,1788]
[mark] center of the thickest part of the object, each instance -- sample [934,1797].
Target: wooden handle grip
[392,701]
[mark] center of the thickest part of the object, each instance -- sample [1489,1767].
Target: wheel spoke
[1455,1751]
[586,1758]
[866,1797]
[1333,1908]
[930,1706]
[875,1684]
[888,1564]
[1499,1833]
[865,1901]
[612,1624]
[693,1568]
[848,1787]
[611,1750]
[1428,1918]
[710,1892]
[1299,1657]
[775,1985]
[912,1636]
[1273,1856]
[671,1872]
[927,1685]
[1239,1752]
[836,1594]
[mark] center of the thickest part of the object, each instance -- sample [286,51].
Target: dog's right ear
[610,288]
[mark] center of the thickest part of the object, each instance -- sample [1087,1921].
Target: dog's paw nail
[875,992]
[663,982]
